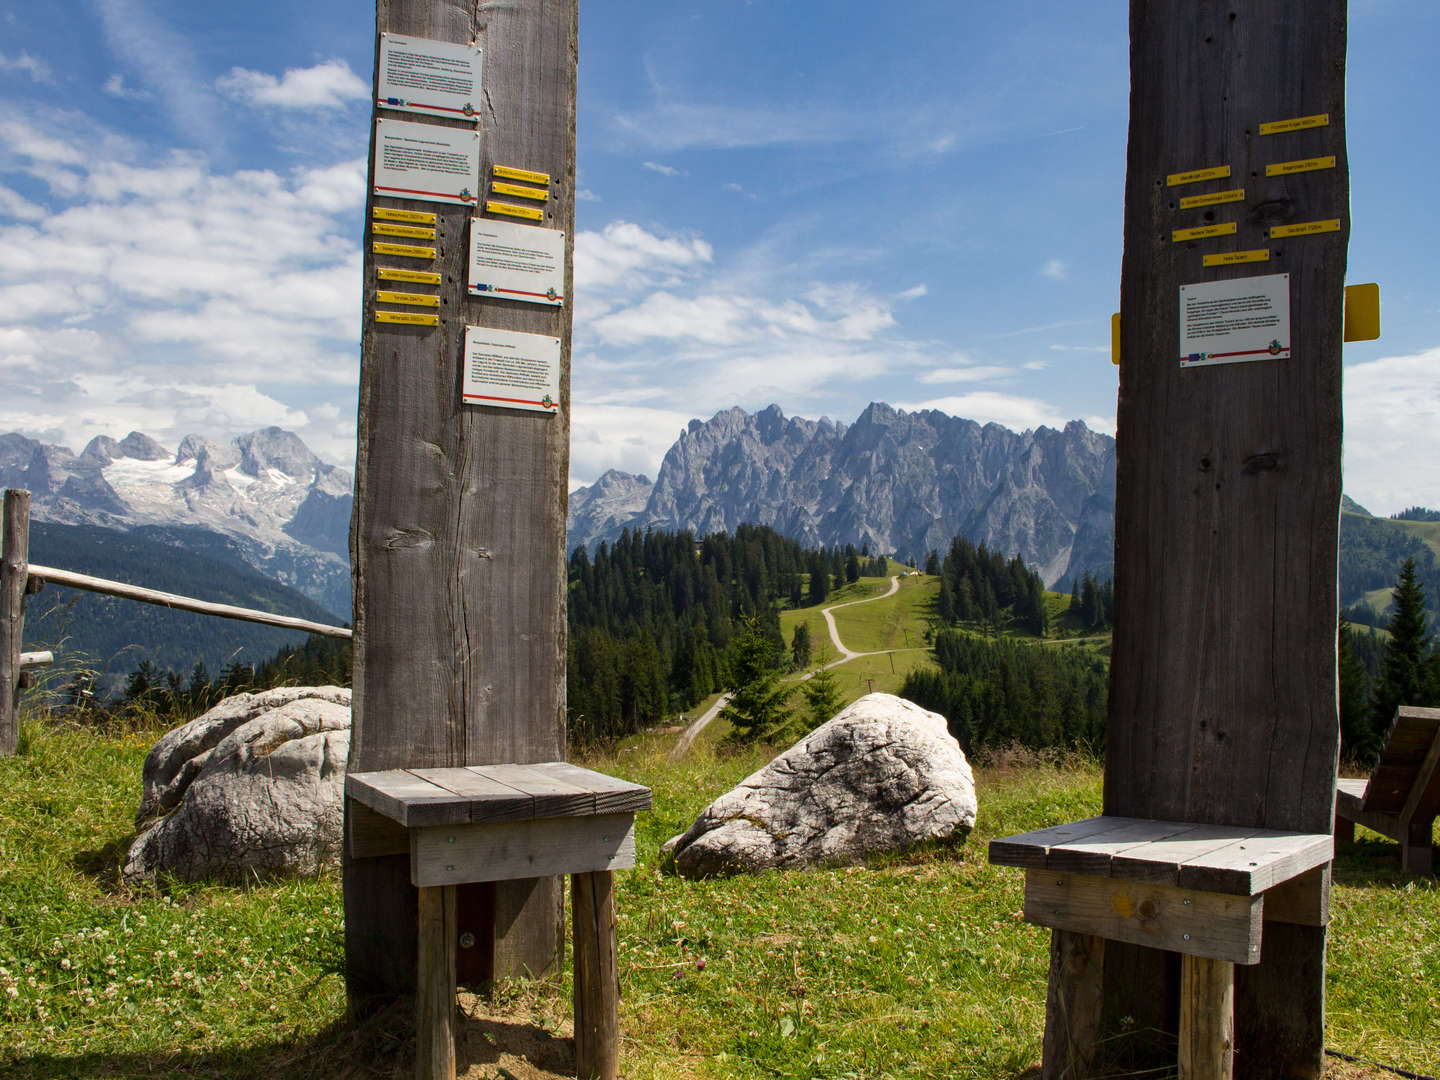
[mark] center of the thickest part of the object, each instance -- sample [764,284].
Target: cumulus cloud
[168,297]
[115,86]
[663,170]
[1014,411]
[1382,470]
[327,85]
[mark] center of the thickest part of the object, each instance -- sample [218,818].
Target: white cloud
[165,61]
[632,438]
[1080,348]
[913,293]
[968,374]
[15,205]
[1055,269]
[628,257]
[169,298]
[1014,411]
[38,70]
[327,85]
[586,195]
[115,87]
[1383,470]
[663,170]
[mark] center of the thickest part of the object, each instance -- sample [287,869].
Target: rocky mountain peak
[276,448]
[141,447]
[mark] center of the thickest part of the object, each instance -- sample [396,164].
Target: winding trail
[682,745]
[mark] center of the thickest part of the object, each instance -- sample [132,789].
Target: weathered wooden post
[1223,725]
[459,530]
[14,573]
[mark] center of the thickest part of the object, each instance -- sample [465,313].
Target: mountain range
[264,494]
[899,482]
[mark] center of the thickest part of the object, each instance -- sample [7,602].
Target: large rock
[883,775]
[254,787]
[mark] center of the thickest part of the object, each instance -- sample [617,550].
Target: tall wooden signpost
[459,530]
[1197,904]
[1223,689]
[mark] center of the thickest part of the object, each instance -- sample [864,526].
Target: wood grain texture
[1156,916]
[14,572]
[500,851]
[435,989]
[597,977]
[1207,1019]
[458,536]
[1073,997]
[1222,698]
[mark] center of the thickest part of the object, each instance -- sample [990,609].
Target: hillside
[115,635]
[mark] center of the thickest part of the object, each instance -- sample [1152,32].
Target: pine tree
[758,702]
[822,691]
[1405,676]
[800,647]
[1357,736]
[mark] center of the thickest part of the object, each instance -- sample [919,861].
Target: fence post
[14,571]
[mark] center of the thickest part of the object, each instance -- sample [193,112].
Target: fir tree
[1405,677]
[758,703]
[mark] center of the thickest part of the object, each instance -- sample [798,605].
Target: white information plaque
[516,262]
[1232,322]
[509,370]
[426,161]
[437,78]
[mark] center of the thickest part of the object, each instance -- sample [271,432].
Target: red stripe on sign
[509,400]
[1247,352]
[522,292]
[421,105]
[411,191]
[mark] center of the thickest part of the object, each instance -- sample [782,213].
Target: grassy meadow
[913,966]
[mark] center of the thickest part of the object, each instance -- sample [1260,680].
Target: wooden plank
[451,854]
[435,985]
[1216,925]
[1160,862]
[1207,1019]
[597,977]
[1349,797]
[489,799]
[370,834]
[553,797]
[612,795]
[1248,867]
[1303,900]
[36,659]
[1424,798]
[1032,849]
[1280,1007]
[407,798]
[14,563]
[458,539]
[89,583]
[1095,854]
[1072,1005]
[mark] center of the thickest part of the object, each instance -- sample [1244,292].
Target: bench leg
[1072,1005]
[597,977]
[1344,834]
[435,984]
[1207,1019]
[1416,854]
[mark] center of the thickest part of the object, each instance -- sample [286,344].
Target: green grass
[894,622]
[914,966]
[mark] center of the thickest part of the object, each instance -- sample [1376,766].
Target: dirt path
[846,654]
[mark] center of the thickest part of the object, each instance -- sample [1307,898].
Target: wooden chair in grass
[1195,908]
[1402,797]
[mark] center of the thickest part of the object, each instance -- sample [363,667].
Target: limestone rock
[883,775]
[254,787]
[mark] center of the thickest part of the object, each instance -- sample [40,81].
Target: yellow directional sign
[1362,312]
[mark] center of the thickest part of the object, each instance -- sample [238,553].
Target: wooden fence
[19,577]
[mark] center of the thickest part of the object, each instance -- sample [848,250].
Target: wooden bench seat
[1402,797]
[496,823]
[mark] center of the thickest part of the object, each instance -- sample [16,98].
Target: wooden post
[1207,1019]
[1073,998]
[14,571]
[458,537]
[435,989]
[597,977]
[1222,700]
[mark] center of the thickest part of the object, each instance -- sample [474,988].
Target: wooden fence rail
[19,577]
[70,579]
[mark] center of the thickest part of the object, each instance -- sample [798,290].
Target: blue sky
[816,205]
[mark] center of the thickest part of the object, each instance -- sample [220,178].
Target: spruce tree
[758,702]
[1405,673]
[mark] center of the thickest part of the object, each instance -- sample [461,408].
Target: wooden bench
[496,823]
[1402,797]
[1204,891]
